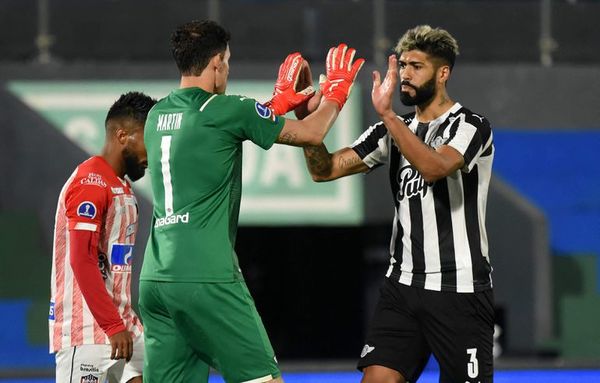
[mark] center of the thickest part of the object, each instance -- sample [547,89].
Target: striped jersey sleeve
[471,136]
[373,146]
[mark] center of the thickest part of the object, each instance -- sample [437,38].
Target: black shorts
[410,323]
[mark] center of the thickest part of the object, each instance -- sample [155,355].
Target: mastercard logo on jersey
[121,258]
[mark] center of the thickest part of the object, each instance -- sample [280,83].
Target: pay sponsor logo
[411,183]
[121,258]
[172,220]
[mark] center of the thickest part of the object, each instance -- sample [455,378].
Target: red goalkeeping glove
[341,73]
[285,96]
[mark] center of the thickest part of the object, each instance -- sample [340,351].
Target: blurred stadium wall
[315,272]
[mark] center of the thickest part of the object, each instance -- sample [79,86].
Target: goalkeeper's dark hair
[436,42]
[193,44]
[131,105]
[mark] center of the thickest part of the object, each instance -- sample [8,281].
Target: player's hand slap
[293,86]
[382,93]
[342,70]
[122,345]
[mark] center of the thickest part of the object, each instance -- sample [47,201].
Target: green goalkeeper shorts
[190,326]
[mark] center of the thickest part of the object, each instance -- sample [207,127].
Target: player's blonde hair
[436,42]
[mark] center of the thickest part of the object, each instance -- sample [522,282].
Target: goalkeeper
[196,308]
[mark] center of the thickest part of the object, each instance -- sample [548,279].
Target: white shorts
[91,363]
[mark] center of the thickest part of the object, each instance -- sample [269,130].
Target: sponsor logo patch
[262,110]
[86,209]
[478,116]
[437,142]
[172,219]
[121,258]
[89,379]
[265,112]
[367,349]
[290,73]
[118,190]
[103,265]
[130,230]
[86,367]
[93,179]
[411,183]
[51,312]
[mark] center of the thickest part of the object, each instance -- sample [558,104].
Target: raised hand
[305,80]
[341,73]
[382,92]
[293,86]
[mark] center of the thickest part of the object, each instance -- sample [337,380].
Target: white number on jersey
[473,365]
[165,147]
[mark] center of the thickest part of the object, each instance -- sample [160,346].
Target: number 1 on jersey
[165,147]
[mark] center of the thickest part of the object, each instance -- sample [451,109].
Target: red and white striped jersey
[94,198]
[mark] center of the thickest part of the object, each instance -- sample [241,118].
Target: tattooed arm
[312,129]
[325,166]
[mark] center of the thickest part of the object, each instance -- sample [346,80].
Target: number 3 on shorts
[473,365]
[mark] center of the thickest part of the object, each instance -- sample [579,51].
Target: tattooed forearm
[318,160]
[348,162]
[287,139]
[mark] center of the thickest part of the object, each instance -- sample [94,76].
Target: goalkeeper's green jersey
[194,144]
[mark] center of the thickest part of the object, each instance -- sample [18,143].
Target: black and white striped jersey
[439,241]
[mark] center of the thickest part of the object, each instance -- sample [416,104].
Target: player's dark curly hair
[134,105]
[193,44]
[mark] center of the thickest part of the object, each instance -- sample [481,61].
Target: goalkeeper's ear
[216,62]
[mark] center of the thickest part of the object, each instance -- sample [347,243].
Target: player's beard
[423,94]
[133,168]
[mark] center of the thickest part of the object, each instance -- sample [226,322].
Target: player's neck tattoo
[443,100]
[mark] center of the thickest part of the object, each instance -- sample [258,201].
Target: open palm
[382,92]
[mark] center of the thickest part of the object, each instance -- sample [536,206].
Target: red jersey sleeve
[86,202]
[84,262]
